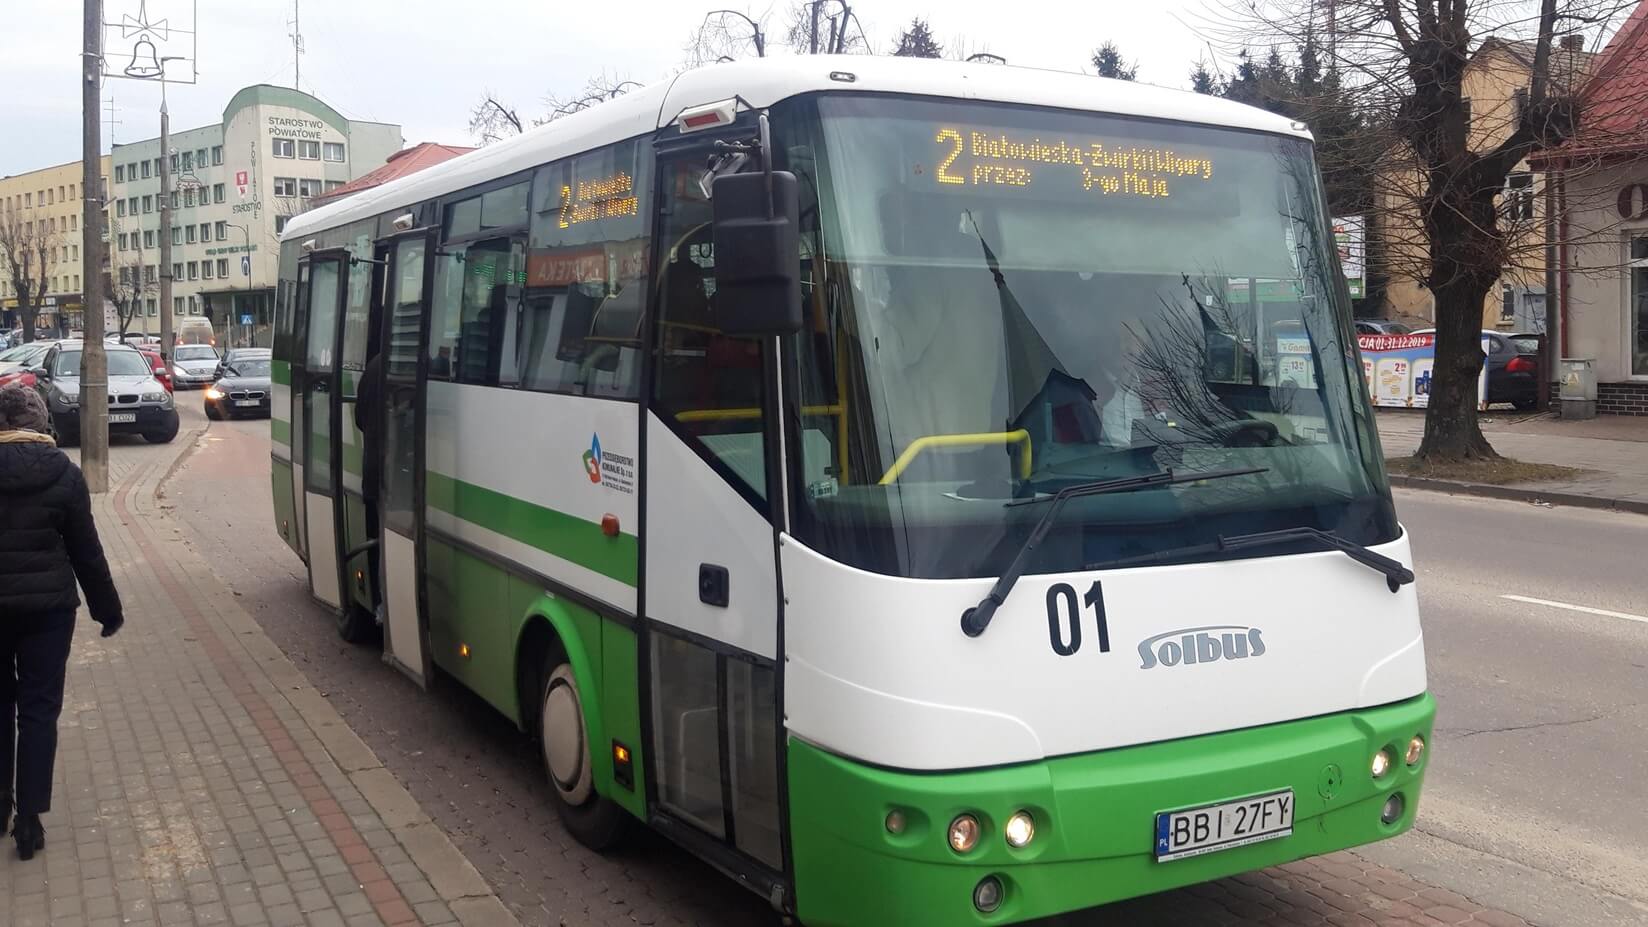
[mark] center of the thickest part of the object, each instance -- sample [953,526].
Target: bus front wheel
[593,821]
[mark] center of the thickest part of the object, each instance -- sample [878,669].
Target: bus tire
[594,821]
[356,625]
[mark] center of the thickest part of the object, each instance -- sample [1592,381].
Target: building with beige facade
[46,207]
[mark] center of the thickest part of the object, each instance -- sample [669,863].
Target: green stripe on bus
[281,372]
[280,431]
[565,536]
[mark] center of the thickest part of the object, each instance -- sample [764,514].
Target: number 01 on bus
[926,507]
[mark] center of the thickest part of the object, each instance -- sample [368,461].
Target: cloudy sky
[423,63]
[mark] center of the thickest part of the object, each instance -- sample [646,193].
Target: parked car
[1381,327]
[138,404]
[243,390]
[152,355]
[233,355]
[1512,363]
[23,356]
[194,366]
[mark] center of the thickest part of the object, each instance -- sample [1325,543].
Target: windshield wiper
[974,620]
[1396,575]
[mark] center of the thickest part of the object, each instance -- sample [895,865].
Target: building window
[217,155]
[120,173]
[189,234]
[334,151]
[149,306]
[131,205]
[1639,306]
[71,191]
[120,208]
[192,308]
[148,238]
[177,271]
[146,169]
[77,281]
[206,231]
[176,199]
[205,270]
[1518,200]
[177,305]
[309,187]
[223,267]
[283,148]
[189,197]
[218,193]
[200,157]
[286,186]
[222,231]
[174,163]
[309,151]
[280,224]
[177,235]
[149,276]
[148,205]
[123,241]
[194,270]
[188,160]
[333,185]
[74,223]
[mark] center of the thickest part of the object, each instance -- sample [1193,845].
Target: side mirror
[757,253]
[40,373]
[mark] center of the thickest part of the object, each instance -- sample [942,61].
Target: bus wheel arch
[560,707]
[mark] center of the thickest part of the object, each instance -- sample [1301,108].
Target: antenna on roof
[297,49]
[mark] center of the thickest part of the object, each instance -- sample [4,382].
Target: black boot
[30,835]
[5,812]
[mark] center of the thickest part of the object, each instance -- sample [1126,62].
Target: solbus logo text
[1211,644]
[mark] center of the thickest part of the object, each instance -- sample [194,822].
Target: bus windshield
[1008,301]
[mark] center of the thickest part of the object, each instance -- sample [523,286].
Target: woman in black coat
[47,541]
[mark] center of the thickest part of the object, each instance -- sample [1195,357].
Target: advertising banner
[1398,370]
[1349,235]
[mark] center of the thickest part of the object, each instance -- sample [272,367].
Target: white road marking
[1577,608]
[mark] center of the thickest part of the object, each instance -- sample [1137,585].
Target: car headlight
[155,397]
[213,392]
[68,400]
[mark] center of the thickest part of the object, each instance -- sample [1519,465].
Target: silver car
[194,366]
[138,404]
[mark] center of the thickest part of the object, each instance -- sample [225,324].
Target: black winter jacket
[47,537]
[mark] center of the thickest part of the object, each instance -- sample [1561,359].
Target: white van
[195,329]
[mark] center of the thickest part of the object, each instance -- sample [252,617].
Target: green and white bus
[933,493]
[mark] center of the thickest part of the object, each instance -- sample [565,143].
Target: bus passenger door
[401,494]
[710,579]
[320,470]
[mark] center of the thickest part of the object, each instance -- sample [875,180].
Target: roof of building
[1614,103]
[271,95]
[400,164]
[1568,68]
[763,82]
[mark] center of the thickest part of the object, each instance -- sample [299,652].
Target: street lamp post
[246,265]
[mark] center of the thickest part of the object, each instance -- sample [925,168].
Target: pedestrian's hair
[22,409]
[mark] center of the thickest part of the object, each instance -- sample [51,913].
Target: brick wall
[1614,398]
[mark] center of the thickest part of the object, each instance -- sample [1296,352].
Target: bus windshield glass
[1007,301]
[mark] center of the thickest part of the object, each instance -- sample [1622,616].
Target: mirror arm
[766,159]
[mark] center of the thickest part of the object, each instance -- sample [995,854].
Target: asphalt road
[1534,803]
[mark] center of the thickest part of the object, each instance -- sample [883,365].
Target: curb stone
[1518,494]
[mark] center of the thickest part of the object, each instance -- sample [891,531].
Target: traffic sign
[241,182]
[245,318]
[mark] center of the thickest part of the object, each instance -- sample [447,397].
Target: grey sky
[423,63]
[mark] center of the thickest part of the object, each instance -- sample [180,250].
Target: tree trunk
[25,312]
[1451,429]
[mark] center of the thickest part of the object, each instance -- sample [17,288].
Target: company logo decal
[1189,646]
[604,468]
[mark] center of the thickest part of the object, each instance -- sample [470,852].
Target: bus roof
[763,82]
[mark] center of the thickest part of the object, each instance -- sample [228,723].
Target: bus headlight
[987,895]
[1020,829]
[964,833]
[1382,763]
[1416,750]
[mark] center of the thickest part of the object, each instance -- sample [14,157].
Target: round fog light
[1416,750]
[1020,829]
[895,822]
[987,894]
[1382,763]
[964,833]
[1392,811]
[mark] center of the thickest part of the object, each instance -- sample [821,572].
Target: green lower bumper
[1095,817]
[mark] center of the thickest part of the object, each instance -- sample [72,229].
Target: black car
[232,356]
[1512,363]
[1380,327]
[243,390]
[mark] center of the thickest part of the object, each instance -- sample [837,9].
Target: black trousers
[34,657]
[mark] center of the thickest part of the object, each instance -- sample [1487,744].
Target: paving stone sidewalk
[200,780]
[1613,447]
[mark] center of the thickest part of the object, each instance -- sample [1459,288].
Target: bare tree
[826,27]
[29,246]
[492,119]
[1438,206]
[727,35]
[128,286]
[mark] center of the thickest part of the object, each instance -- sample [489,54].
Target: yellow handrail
[1019,437]
[728,415]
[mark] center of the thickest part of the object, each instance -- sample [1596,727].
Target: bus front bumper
[1094,814]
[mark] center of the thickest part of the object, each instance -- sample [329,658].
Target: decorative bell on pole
[145,60]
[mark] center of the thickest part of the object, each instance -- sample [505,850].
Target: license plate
[1210,828]
[246,402]
[122,418]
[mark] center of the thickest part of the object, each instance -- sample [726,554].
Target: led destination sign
[977,158]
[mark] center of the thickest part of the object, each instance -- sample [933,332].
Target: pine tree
[1203,80]
[1108,61]
[917,42]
